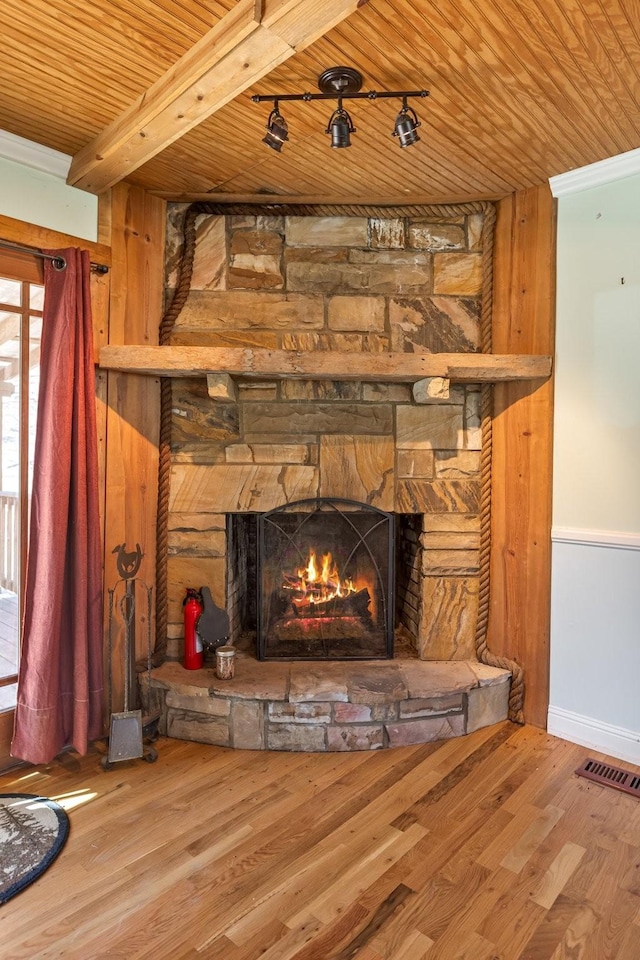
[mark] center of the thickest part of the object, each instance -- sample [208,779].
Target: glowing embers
[325,571]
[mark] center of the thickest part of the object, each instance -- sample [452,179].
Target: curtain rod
[59,263]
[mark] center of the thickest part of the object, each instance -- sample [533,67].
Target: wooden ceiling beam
[248,43]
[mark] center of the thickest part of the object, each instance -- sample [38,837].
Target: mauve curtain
[60,681]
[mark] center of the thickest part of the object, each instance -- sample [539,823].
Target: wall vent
[610,776]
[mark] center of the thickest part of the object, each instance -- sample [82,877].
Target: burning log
[352,605]
[319,591]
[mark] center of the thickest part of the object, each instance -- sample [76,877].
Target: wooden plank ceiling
[520,90]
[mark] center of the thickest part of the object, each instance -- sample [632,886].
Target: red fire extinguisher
[193,652]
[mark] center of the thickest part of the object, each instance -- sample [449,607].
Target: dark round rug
[33,831]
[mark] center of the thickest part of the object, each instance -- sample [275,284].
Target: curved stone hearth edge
[324,706]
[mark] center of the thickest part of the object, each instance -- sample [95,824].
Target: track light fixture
[277,130]
[342,83]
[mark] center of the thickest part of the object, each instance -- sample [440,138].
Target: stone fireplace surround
[351,284]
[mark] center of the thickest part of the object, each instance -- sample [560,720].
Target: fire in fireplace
[319,591]
[325,578]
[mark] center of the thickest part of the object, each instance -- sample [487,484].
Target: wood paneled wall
[524,322]
[132,405]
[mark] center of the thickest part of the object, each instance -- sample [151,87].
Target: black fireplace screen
[325,575]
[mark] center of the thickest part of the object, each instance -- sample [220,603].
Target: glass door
[21,302]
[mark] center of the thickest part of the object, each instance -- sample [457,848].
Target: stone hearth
[322,706]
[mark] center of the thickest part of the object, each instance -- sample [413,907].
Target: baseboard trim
[604,737]
[596,538]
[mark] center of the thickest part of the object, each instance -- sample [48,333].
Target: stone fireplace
[253,449]
[351,284]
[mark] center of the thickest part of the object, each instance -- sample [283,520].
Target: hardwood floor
[485,847]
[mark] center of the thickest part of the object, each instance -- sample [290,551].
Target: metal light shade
[277,131]
[405,128]
[340,127]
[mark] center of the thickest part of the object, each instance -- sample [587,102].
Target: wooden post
[523,322]
[132,401]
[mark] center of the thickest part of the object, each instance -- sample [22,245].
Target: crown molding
[34,155]
[596,174]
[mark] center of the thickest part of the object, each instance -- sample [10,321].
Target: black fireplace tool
[128,729]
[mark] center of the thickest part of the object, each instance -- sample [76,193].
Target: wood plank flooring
[485,847]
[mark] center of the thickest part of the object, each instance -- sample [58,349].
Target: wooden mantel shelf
[178,361]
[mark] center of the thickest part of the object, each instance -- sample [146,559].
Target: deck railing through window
[9,541]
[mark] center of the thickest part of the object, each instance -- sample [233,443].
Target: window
[21,302]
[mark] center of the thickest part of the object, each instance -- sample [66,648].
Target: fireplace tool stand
[128,729]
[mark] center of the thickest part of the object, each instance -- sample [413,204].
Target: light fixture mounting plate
[340,81]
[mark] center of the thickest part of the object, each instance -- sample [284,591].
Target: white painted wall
[595,609]
[33,189]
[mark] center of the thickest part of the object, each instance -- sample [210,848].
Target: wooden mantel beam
[248,43]
[181,361]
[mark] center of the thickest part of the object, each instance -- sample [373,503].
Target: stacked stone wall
[351,284]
